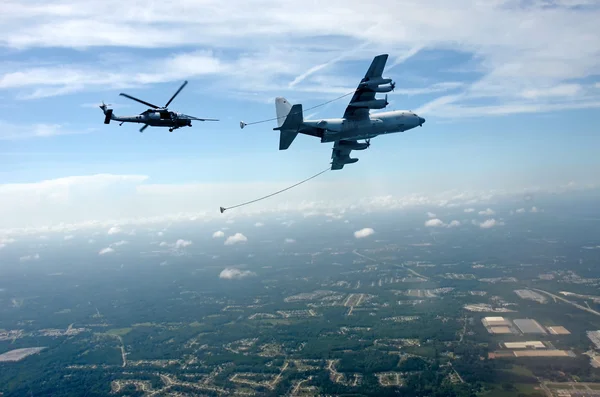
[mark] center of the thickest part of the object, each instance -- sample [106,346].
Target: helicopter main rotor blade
[139,100]
[176,93]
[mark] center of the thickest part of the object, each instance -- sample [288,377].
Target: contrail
[401,59]
[315,69]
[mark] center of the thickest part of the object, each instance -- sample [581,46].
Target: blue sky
[510,91]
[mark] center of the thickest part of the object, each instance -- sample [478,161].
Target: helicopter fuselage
[156,119]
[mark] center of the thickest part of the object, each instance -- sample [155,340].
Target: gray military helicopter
[156,116]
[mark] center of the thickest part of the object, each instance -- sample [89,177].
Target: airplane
[356,122]
[156,116]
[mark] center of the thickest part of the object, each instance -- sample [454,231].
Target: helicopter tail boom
[108,115]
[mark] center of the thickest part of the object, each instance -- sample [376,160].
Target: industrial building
[499,330]
[497,325]
[528,326]
[543,353]
[495,321]
[558,330]
[594,336]
[531,295]
[534,344]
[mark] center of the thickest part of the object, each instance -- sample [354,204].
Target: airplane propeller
[368,142]
[393,85]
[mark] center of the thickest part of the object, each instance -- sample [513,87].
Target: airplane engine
[353,145]
[374,104]
[376,82]
[350,161]
[387,88]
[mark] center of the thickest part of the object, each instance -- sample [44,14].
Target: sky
[510,91]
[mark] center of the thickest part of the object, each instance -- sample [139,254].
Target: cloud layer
[117,202]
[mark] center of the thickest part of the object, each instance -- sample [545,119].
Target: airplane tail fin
[290,126]
[282,107]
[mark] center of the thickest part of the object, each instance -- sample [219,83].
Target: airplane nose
[421,121]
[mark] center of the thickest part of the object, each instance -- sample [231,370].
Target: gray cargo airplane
[356,123]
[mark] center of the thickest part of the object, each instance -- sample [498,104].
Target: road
[577,305]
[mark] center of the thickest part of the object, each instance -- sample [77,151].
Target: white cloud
[114,230]
[4,241]
[434,223]
[111,247]
[289,240]
[232,273]
[177,245]
[520,210]
[27,258]
[439,223]
[489,224]
[468,210]
[487,212]
[218,234]
[14,132]
[69,237]
[107,250]
[182,244]
[431,215]
[236,238]
[534,209]
[362,233]
[259,224]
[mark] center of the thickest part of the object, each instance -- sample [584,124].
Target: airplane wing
[363,93]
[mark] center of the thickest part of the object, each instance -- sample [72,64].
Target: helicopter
[157,116]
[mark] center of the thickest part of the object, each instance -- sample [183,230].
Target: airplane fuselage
[377,124]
